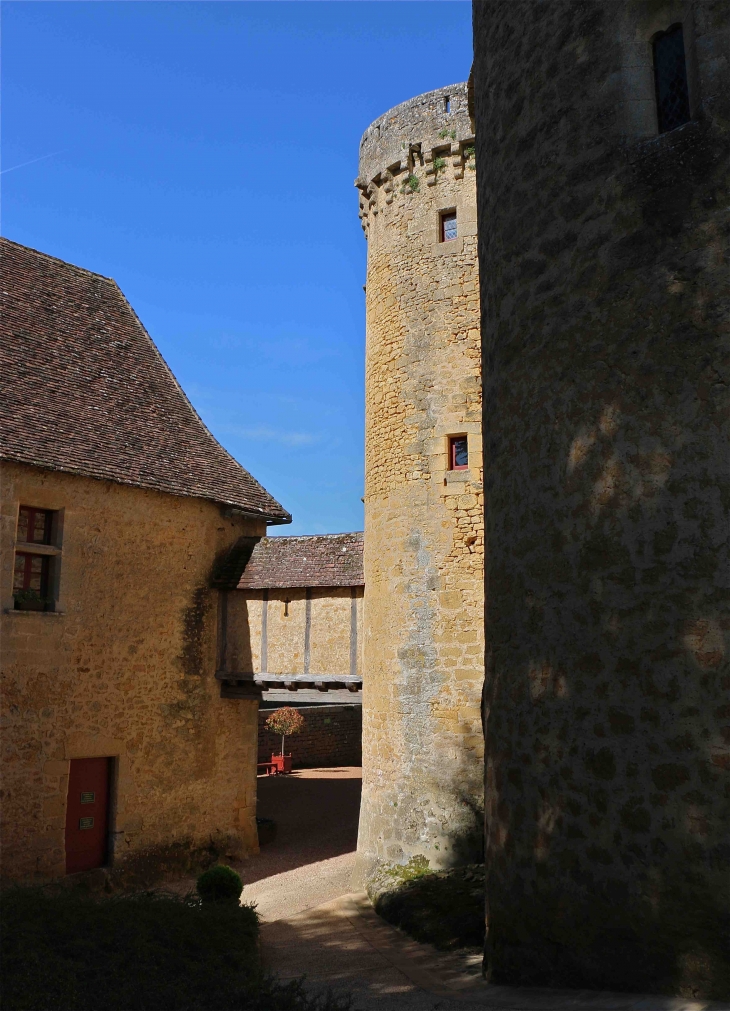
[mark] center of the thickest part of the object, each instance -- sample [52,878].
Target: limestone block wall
[332,735]
[286,641]
[424,544]
[604,267]
[124,669]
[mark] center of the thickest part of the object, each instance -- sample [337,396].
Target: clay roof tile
[83,389]
[313,560]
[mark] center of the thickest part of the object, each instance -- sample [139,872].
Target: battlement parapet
[414,143]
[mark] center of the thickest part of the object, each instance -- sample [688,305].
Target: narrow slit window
[448,226]
[447,104]
[458,452]
[670,79]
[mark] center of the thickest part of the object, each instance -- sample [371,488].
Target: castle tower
[423,644]
[602,152]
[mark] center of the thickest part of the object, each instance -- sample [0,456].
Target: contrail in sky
[31,162]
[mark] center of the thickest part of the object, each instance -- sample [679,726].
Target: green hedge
[66,950]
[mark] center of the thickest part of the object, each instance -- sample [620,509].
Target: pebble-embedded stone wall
[424,544]
[604,267]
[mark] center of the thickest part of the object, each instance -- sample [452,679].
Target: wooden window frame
[25,597]
[453,439]
[33,513]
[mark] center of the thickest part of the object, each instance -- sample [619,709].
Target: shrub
[67,950]
[219,884]
[443,908]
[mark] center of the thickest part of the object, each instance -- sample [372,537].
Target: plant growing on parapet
[439,164]
[411,184]
[285,721]
[448,133]
[470,158]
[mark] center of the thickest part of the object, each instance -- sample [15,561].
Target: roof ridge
[56,259]
[301,537]
[183,394]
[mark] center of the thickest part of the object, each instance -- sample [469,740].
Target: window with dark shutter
[670,77]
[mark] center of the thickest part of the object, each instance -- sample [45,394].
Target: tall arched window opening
[670,78]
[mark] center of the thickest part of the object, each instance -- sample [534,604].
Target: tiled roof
[316,560]
[83,389]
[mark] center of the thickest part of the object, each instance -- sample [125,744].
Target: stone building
[294,628]
[121,519]
[297,611]
[424,545]
[603,135]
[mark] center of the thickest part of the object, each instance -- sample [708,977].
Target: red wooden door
[87,814]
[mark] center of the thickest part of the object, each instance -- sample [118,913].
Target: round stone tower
[423,643]
[603,135]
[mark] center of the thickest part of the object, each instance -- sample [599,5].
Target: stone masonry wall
[332,735]
[423,646]
[125,668]
[604,267]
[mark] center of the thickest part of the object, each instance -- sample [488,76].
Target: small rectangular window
[30,581]
[670,78]
[447,104]
[34,525]
[448,226]
[458,452]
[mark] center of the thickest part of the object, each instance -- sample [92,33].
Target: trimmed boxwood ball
[219,884]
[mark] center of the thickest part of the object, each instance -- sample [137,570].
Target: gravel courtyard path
[312,858]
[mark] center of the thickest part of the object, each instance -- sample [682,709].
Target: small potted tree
[284,721]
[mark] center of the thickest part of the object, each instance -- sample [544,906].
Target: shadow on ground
[443,908]
[316,813]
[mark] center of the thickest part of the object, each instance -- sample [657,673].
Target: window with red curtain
[458,452]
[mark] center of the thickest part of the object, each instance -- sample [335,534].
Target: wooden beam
[307,628]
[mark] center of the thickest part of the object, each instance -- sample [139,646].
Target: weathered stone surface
[423,671]
[125,669]
[331,649]
[603,259]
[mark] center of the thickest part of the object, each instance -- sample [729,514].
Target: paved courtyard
[312,859]
[314,924]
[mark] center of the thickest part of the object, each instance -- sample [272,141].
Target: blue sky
[203,155]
